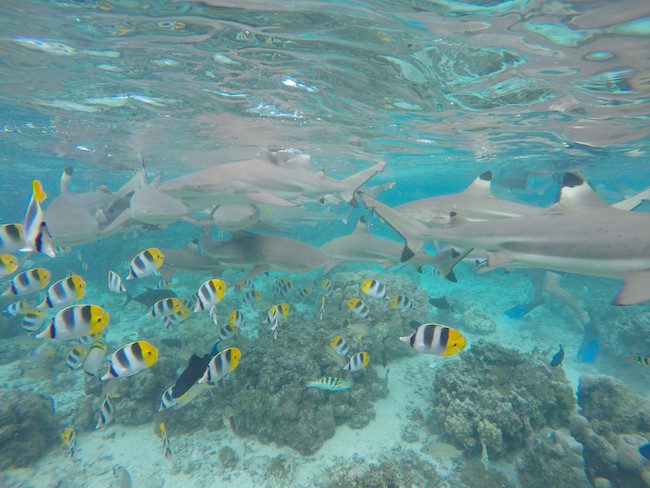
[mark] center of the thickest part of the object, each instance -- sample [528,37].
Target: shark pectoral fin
[124,219]
[635,290]
[414,233]
[351,184]
[253,273]
[269,199]
[498,258]
[634,201]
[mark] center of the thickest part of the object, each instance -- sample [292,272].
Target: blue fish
[517,312]
[588,351]
[644,450]
[558,358]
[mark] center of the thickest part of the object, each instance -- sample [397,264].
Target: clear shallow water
[441,91]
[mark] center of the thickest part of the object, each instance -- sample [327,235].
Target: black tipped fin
[407,254]
[451,277]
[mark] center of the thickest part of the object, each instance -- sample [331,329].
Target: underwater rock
[631,336]
[498,396]
[614,422]
[477,322]
[551,458]
[228,457]
[611,406]
[28,428]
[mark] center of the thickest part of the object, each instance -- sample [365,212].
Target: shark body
[580,234]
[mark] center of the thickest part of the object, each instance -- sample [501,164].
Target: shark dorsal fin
[576,194]
[66,179]
[480,187]
[362,226]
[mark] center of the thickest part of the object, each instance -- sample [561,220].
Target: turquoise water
[441,92]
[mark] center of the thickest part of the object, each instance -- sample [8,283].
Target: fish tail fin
[415,233]
[351,184]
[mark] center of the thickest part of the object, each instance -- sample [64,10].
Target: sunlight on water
[325,244]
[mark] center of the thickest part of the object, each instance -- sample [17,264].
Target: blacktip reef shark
[477,203]
[580,234]
[267,182]
[148,206]
[188,259]
[261,253]
[75,218]
[362,246]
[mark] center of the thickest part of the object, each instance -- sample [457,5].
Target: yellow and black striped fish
[639,360]
[145,263]
[69,438]
[35,234]
[236,318]
[401,303]
[19,308]
[166,306]
[356,306]
[8,264]
[252,296]
[304,293]
[210,293]
[75,357]
[228,331]
[357,362]
[373,288]
[131,359]
[327,288]
[76,321]
[167,448]
[435,339]
[115,283]
[220,365]
[32,320]
[339,345]
[64,292]
[11,238]
[106,411]
[29,281]
[282,287]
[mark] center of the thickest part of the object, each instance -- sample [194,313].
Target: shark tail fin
[351,184]
[636,288]
[446,261]
[415,233]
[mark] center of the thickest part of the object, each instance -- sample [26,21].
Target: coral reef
[271,402]
[500,397]
[403,468]
[477,322]
[630,336]
[551,458]
[28,428]
[613,422]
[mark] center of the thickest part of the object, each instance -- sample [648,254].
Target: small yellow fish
[69,438]
[639,360]
[357,307]
[8,264]
[373,288]
[167,449]
[145,263]
[210,293]
[76,321]
[131,359]
[357,362]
